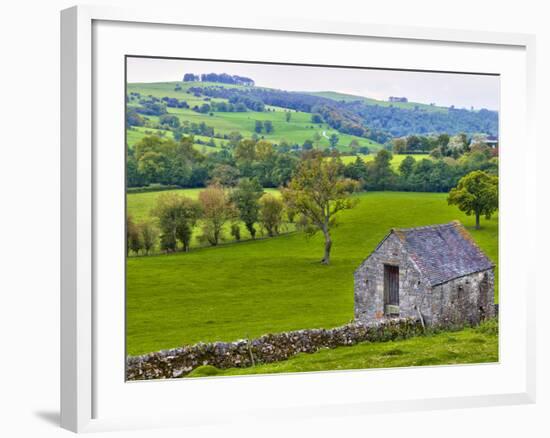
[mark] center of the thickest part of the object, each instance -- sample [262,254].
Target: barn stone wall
[468,299]
[369,283]
[465,300]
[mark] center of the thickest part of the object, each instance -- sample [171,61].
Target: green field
[395,162]
[471,345]
[251,288]
[405,105]
[296,131]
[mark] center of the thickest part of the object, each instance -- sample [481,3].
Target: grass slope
[256,287]
[471,345]
[296,131]
[405,105]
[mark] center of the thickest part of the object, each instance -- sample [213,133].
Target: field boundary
[178,362]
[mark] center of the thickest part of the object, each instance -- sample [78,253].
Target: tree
[148,236]
[288,115]
[316,118]
[165,161]
[131,231]
[245,197]
[259,126]
[308,145]
[234,138]
[245,151]
[407,165]
[225,175]
[170,120]
[217,209]
[268,126]
[271,213]
[318,192]
[443,143]
[380,174]
[177,216]
[333,140]
[264,150]
[356,170]
[399,145]
[136,244]
[414,143]
[204,108]
[190,77]
[476,193]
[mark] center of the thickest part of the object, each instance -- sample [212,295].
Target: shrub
[488,327]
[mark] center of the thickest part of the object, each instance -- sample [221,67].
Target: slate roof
[443,252]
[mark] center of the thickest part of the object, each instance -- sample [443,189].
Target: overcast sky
[445,89]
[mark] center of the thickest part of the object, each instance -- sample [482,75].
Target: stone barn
[436,272]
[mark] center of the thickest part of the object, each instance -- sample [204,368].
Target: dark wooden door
[391,285]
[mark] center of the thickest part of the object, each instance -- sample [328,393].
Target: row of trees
[222,78]
[317,191]
[424,175]
[177,217]
[266,125]
[311,200]
[352,117]
[439,146]
[156,160]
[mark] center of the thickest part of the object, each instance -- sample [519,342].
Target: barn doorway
[391,290]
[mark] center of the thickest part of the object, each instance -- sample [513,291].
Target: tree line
[170,162]
[217,209]
[222,78]
[316,192]
[310,201]
[419,175]
[377,122]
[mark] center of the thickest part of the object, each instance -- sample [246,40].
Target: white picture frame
[83,370]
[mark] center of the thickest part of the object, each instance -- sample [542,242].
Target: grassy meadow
[247,288]
[405,105]
[296,131]
[471,345]
[251,288]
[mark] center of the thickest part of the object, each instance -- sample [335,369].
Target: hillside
[293,132]
[343,97]
[216,110]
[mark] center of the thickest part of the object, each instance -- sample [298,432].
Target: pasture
[404,105]
[471,345]
[251,288]
[296,131]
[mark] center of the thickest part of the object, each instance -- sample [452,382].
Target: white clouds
[461,90]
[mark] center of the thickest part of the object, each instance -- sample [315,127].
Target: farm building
[437,272]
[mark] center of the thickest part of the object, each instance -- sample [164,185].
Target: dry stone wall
[179,362]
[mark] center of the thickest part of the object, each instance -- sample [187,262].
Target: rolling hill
[295,117]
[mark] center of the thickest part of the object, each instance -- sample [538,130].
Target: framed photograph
[273,217]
